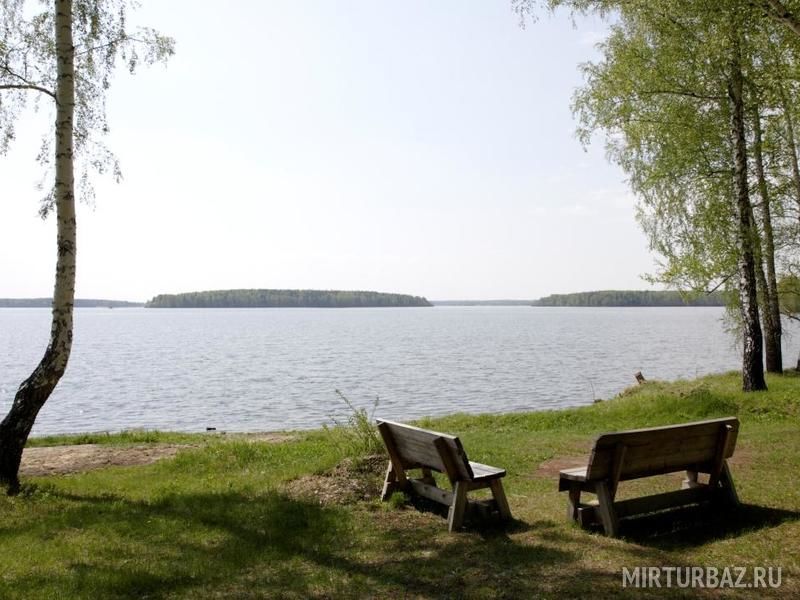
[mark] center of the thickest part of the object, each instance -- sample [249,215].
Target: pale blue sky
[419,147]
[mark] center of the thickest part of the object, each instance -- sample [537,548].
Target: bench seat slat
[576,474]
[483,472]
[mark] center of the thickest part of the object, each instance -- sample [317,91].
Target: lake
[274,369]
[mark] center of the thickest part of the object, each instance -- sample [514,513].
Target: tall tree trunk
[771,349]
[792,143]
[770,308]
[35,390]
[752,360]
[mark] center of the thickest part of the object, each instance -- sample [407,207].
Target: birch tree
[669,93]
[62,52]
[692,99]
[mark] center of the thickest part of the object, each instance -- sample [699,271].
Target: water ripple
[271,369]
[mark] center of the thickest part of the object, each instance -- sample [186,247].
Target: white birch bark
[36,389]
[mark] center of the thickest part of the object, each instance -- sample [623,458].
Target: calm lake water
[272,369]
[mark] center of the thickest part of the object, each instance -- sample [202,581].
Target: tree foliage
[103,41]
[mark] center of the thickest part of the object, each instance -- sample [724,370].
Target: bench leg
[606,509]
[455,517]
[726,479]
[389,483]
[500,499]
[573,500]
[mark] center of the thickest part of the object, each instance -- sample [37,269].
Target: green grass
[215,521]
[132,436]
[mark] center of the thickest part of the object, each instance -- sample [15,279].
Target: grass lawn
[218,520]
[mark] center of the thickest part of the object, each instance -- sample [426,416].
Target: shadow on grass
[659,540]
[230,544]
[695,526]
[150,549]
[473,521]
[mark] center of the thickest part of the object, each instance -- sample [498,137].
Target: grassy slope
[213,522]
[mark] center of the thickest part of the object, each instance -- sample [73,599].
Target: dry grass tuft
[352,480]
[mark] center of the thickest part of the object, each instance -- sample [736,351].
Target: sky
[415,147]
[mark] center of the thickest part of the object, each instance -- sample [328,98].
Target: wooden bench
[700,447]
[414,448]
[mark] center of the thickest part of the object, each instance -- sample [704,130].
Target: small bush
[356,435]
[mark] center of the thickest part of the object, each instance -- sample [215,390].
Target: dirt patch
[741,457]
[351,481]
[552,467]
[60,460]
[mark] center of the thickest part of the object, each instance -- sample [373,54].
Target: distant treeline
[283,299]
[79,303]
[631,298]
[481,302]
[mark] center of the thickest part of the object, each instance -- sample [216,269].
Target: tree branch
[119,40]
[778,11]
[720,284]
[686,93]
[27,86]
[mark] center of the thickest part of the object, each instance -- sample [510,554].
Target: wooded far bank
[284,299]
[262,298]
[631,298]
[79,303]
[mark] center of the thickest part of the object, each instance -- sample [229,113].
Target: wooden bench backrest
[690,446]
[417,447]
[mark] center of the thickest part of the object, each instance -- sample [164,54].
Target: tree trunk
[771,349]
[36,389]
[770,308]
[752,360]
[791,141]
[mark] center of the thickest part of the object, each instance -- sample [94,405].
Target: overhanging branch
[685,93]
[119,40]
[28,86]
[780,13]
[25,85]
[720,284]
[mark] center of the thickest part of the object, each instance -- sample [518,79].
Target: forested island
[79,303]
[284,299]
[631,298]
